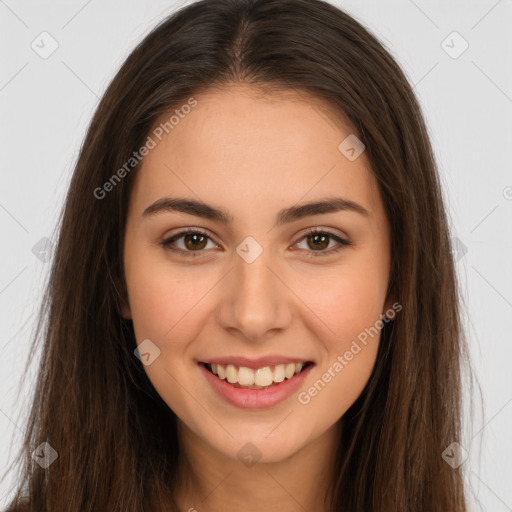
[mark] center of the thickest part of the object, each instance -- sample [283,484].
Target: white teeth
[279,373]
[246,377]
[260,378]
[263,376]
[231,374]
[289,370]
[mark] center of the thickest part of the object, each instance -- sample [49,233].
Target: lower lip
[255,398]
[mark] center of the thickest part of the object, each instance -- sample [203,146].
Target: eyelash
[342,243]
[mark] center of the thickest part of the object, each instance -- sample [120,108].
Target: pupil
[195,241]
[319,236]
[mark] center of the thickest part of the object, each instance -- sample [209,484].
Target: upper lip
[260,362]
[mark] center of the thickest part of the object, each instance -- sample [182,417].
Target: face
[249,285]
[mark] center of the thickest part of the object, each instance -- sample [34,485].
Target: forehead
[240,144]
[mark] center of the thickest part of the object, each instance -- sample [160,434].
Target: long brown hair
[115,437]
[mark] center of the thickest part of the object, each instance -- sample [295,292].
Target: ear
[125,311]
[390,300]
[123,304]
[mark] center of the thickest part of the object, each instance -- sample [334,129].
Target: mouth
[260,378]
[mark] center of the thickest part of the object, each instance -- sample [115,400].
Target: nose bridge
[255,301]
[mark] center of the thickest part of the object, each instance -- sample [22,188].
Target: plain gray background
[47,103]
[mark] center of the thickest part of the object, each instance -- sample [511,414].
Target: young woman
[252,305]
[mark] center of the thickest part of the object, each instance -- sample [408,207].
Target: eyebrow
[285,216]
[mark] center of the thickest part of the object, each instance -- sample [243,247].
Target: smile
[260,378]
[255,388]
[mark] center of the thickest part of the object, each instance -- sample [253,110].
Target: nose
[255,302]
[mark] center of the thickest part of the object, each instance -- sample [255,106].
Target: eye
[195,240]
[321,240]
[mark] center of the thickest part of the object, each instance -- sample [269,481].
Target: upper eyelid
[185,231]
[205,232]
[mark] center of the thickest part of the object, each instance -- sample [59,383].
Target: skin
[254,154]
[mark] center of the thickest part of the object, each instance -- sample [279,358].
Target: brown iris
[195,239]
[324,240]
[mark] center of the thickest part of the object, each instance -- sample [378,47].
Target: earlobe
[390,306]
[122,300]
[126,312]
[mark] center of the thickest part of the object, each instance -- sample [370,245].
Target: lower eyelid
[339,241]
[170,241]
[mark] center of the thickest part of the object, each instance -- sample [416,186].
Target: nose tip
[254,302]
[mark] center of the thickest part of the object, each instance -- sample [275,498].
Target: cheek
[338,384]
[150,302]
[350,302]
[347,301]
[161,298]
[352,310]
[164,308]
